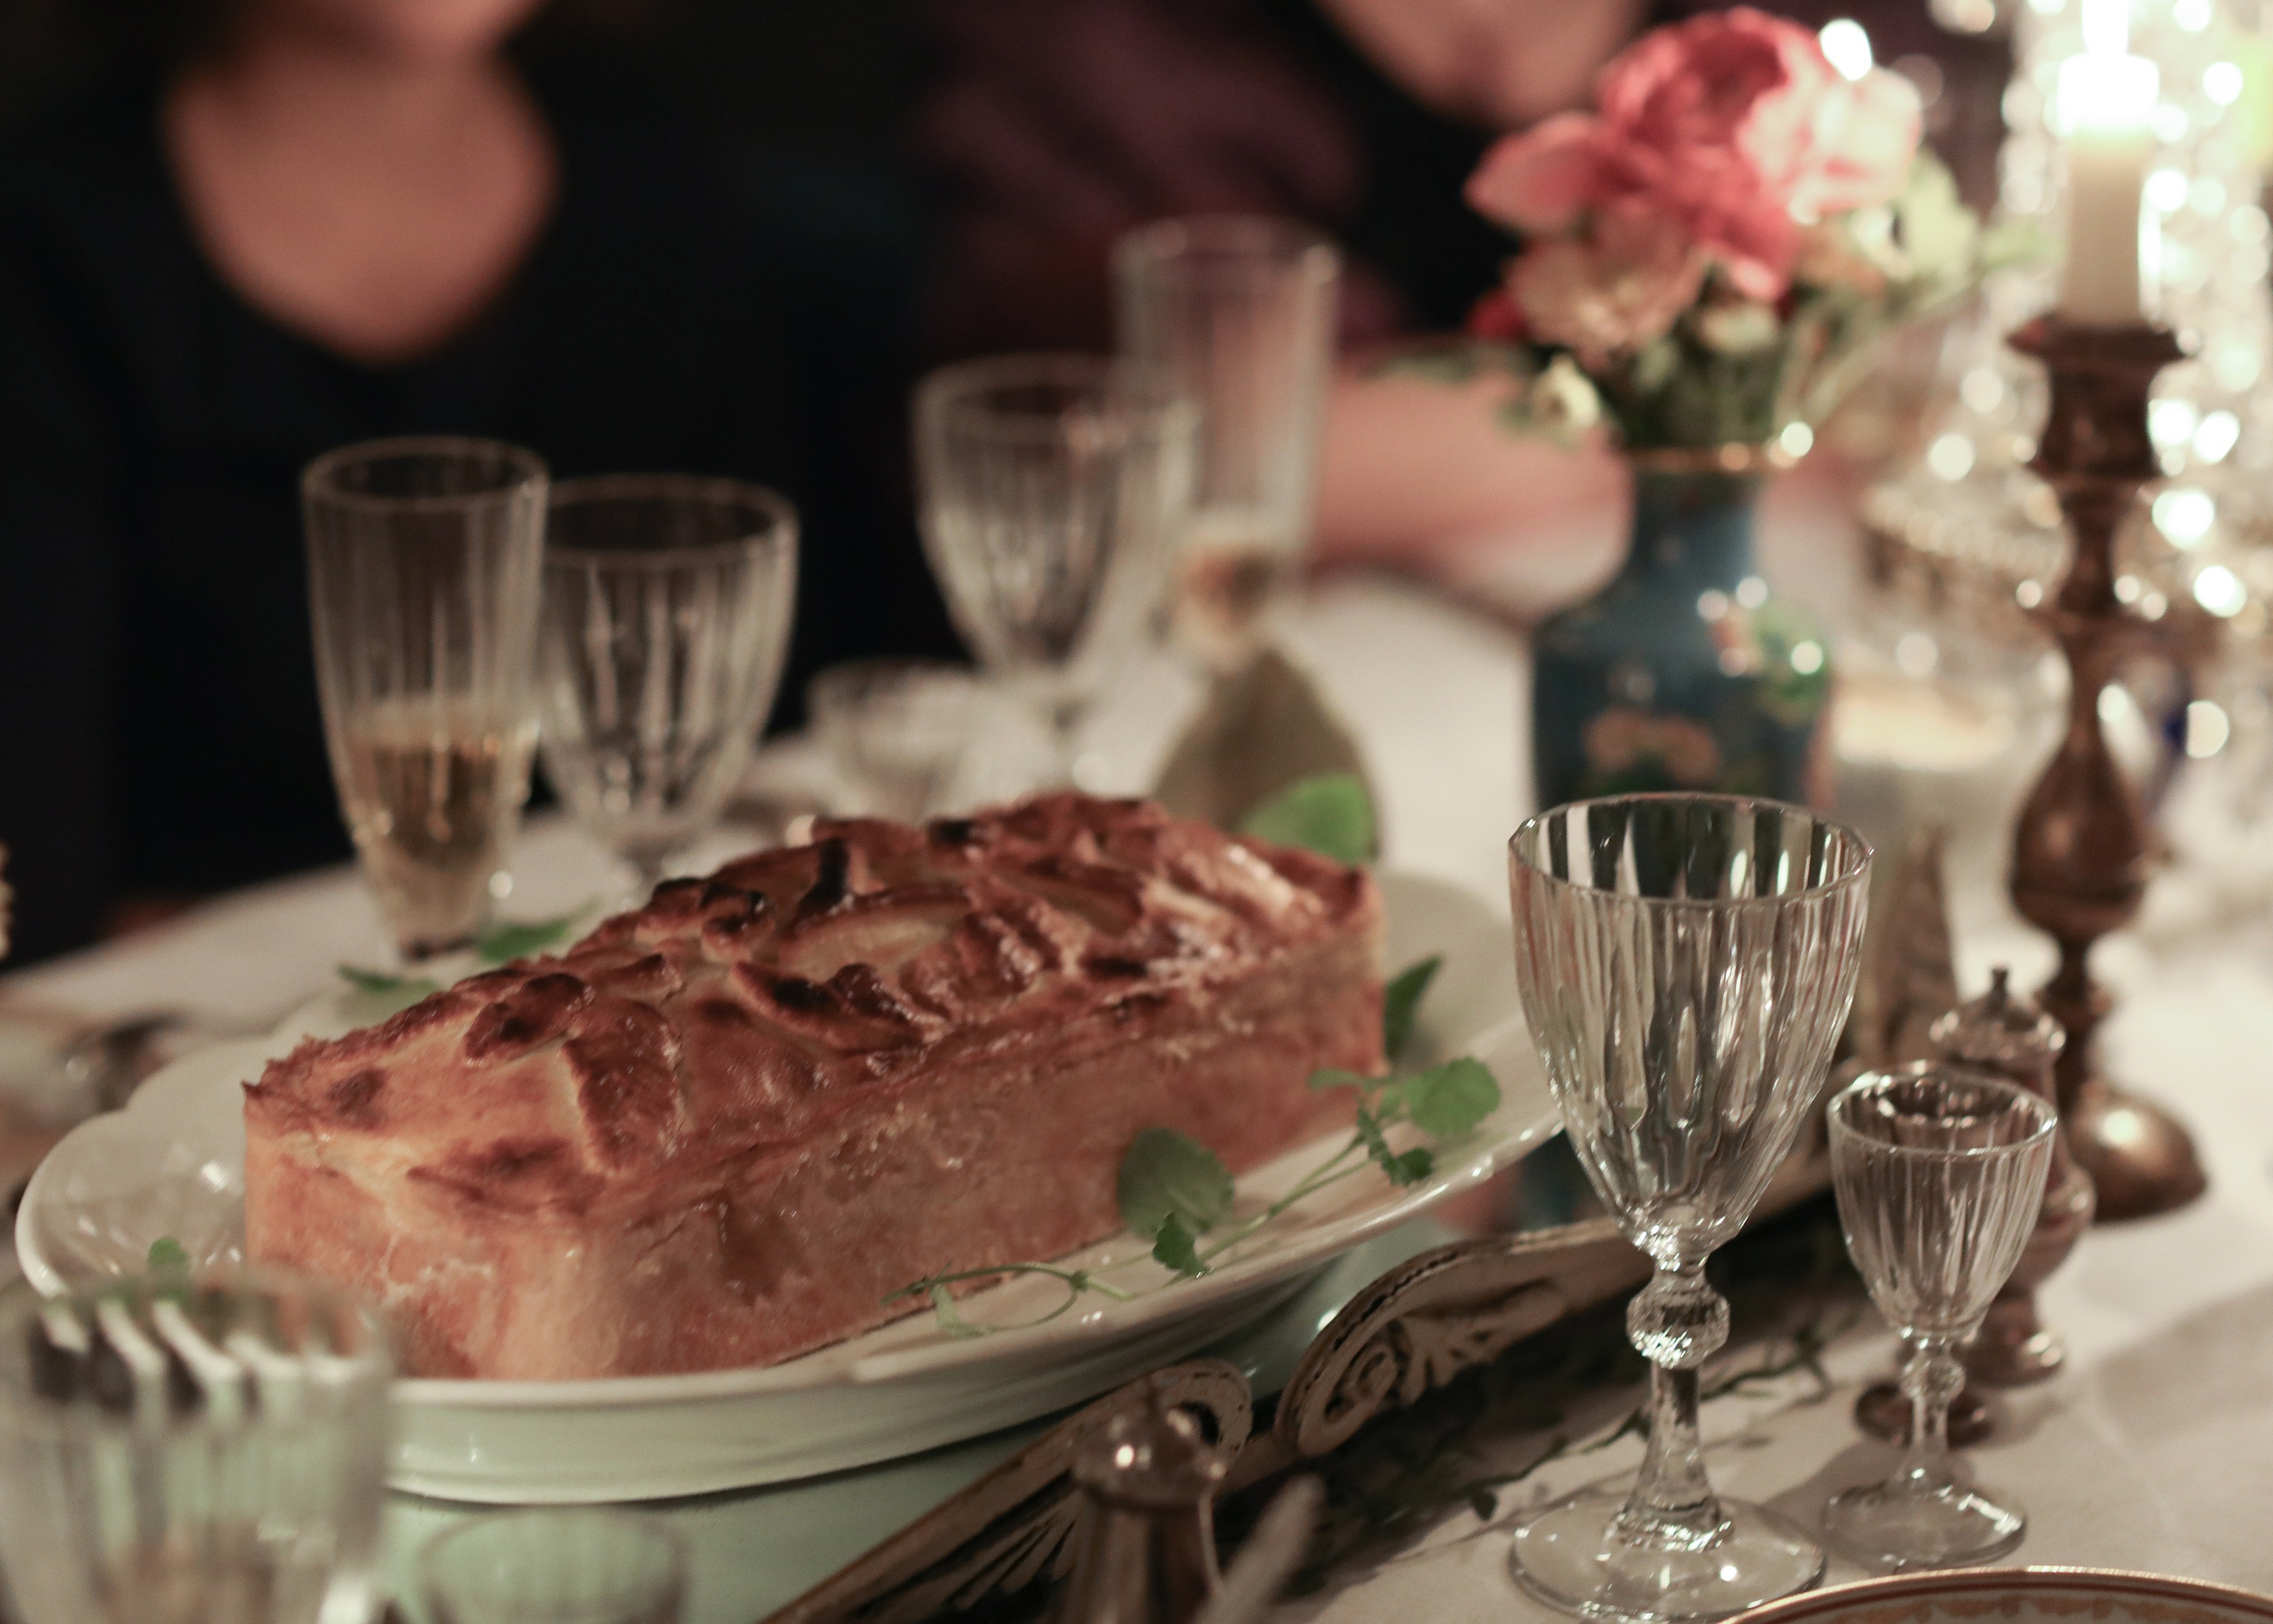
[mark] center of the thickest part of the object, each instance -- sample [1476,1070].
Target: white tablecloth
[2155,1451]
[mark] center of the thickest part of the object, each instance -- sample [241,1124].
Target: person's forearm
[1414,468]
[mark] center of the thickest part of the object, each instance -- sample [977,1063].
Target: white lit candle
[2106,96]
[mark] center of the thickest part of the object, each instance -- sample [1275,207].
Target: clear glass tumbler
[1939,1172]
[180,1452]
[1686,963]
[667,603]
[896,731]
[1052,488]
[423,567]
[585,1565]
[1239,312]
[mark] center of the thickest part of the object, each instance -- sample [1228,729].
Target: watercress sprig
[1178,1192]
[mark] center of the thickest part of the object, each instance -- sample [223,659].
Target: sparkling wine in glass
[432,794]
[1939,1172]
[1052,489]
[422,571]
[667,602]
[1685,962]
[1239,310]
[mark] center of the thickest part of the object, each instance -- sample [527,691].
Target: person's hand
[1419,474]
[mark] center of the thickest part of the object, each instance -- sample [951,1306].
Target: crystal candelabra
[1963,543]
[2080,862]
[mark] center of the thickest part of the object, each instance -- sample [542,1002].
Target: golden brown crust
[754,1008]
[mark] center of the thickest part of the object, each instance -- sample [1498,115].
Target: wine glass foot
[1566,1556]
[1898,1528]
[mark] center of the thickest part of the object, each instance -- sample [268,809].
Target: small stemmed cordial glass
[1939,1171]
[1686,962]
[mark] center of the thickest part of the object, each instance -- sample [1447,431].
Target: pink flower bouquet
[1706,254]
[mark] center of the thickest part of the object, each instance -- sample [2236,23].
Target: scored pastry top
[742,1010]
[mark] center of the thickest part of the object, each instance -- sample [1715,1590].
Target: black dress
[684,309]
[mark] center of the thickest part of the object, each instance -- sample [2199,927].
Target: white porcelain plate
[2021,1595]
[172,1164]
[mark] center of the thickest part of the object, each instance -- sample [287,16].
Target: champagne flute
[1939,1172]
[1239,310]
[667,602]
[1686,963]
[422,562]
[1052,487]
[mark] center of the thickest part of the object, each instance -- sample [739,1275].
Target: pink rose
[1542,179]
[1865,137]
[1732,123]
[1608,294]
[1715,119]
[1496,317]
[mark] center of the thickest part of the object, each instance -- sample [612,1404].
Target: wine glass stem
[1933,1378]
[1676,1321]
[648,866]
[1064,719]
[1673,1484]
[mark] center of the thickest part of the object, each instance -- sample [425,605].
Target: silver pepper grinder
[2009,1035]
[1147,1541]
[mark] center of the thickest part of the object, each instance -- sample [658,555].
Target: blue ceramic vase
[1686,673]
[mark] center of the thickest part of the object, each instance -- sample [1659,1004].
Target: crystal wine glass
[1685,962]
[667,602]
[585,1565]
[1939,1171]
[423,560]
[179,1451]
[1240,311]
[1053,488]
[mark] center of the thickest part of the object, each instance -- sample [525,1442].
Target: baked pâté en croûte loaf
[722,1128]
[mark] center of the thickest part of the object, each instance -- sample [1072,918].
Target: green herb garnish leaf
[1410,1169]
[168,1256]
[1325,1079]
[1174,1245]
[1330,814]
[1167,1176]
[1401,1001]
[1447,1101]
[1376,1144]
[509,939]
[381,984]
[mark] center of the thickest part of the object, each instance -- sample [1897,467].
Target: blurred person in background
[235,233]
[1050,128]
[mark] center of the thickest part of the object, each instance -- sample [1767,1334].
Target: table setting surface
[2153,1451]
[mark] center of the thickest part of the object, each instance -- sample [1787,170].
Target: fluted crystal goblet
[1685,962]
[1939,1171]
[668,601]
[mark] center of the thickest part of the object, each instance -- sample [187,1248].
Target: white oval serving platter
[172,1165]
[2021,1595]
